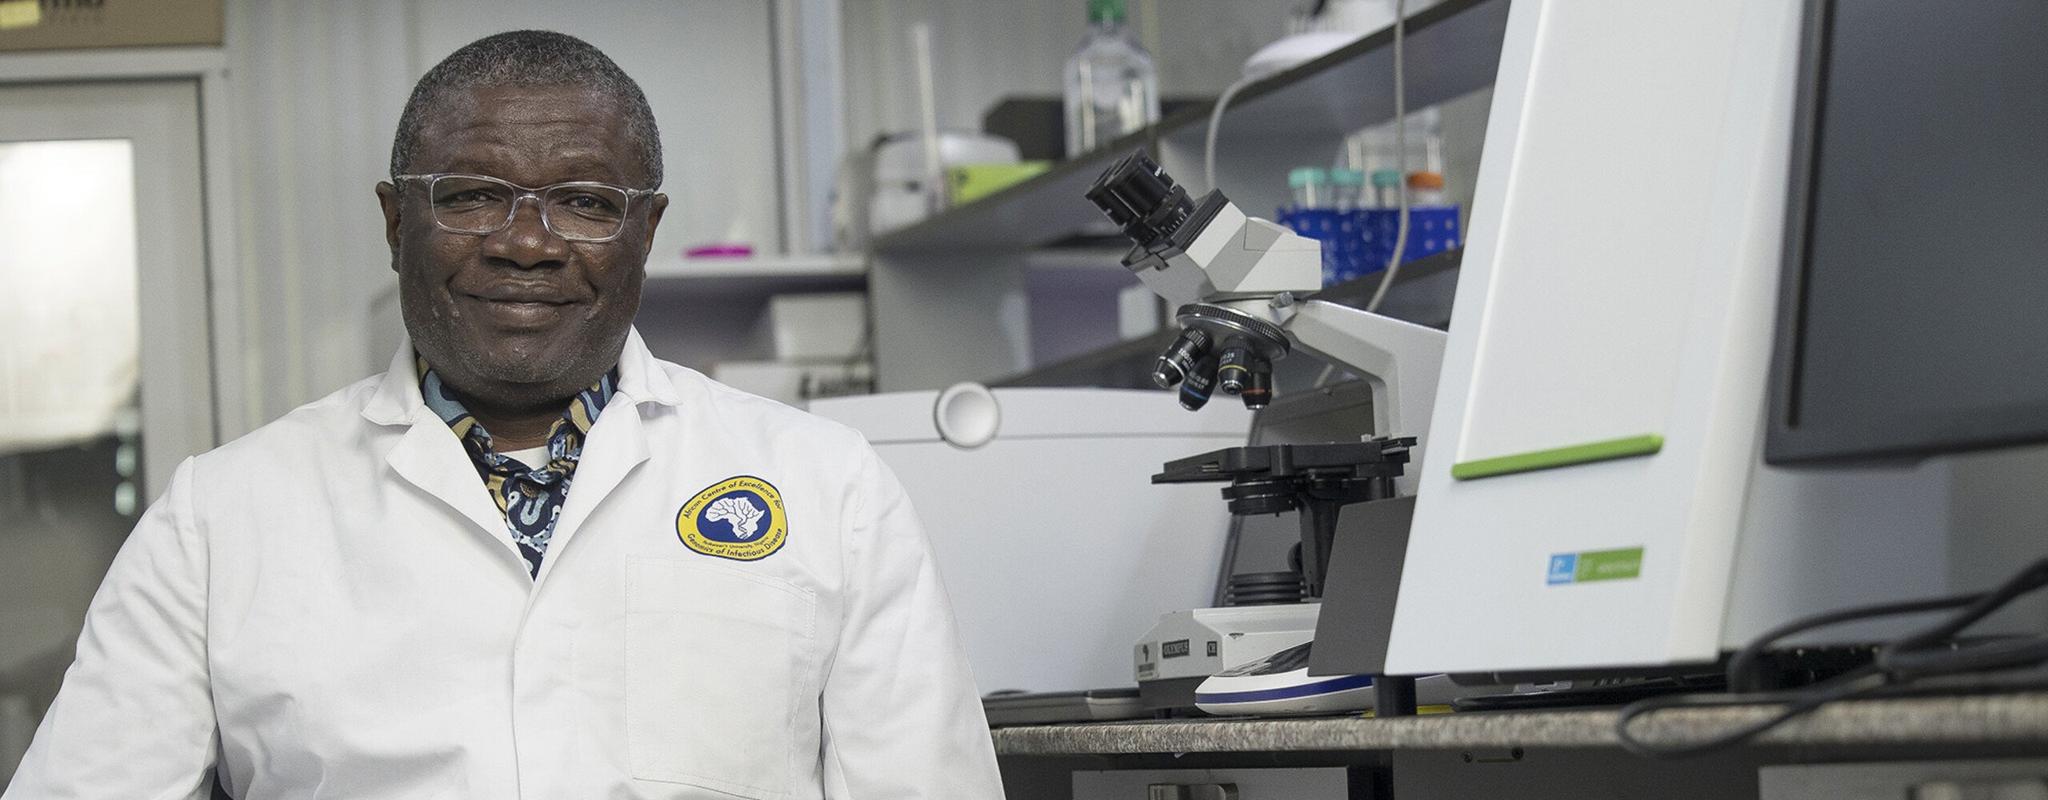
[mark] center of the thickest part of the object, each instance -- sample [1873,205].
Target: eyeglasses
[579,211]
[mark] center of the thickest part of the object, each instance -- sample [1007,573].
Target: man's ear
[658,204]
[387,197]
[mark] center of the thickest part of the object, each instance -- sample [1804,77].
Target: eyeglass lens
[478,205]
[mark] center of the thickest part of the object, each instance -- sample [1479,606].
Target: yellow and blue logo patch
[740,518]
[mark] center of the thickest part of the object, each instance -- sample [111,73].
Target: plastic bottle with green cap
[1310,186]
[1112,84]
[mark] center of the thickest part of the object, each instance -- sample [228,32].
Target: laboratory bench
[1992,745]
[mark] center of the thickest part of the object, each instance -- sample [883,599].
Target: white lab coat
[331,607]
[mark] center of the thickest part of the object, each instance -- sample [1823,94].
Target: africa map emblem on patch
[739,518]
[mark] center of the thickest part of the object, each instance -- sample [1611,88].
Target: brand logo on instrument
[1589,566]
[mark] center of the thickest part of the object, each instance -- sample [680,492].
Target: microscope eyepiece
[1138,195]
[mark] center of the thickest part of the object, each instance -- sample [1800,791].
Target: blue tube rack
[1360,242]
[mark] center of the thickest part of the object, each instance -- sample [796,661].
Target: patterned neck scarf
[530,497]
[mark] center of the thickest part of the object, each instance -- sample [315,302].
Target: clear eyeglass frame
[540,195]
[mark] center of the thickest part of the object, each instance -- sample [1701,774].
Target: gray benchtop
[2003,719]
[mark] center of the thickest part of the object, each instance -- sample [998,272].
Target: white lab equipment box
[1057,550]
[813,327]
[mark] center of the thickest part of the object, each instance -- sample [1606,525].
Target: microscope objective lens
[1195,388]
[1179,358]
[1258,387]
[1233,365]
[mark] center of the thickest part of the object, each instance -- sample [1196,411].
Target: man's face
[520,318]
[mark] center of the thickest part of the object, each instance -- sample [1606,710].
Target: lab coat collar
[617,445]
[397,400]
[641,376]
[430,457]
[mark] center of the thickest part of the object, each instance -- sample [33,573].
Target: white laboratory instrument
[1187,647]
[1055,549]
[812,327]
[1595,497]
[1280,685]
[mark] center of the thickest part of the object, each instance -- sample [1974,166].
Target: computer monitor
[1913,315]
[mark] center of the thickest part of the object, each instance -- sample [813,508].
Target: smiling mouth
[520,313]
[531,302]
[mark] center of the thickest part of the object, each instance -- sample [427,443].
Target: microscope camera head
[1206,250]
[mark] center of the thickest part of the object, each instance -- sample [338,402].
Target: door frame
[228,290]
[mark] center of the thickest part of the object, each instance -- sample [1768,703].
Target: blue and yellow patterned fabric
[530,498]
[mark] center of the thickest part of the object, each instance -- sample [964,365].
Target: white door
[106,378]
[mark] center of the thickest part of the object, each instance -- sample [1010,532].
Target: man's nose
[526,242]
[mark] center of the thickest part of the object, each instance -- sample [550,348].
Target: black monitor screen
[1915,313]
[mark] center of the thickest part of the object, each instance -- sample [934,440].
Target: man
[531,560]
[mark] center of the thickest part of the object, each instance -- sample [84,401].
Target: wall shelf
[976,292]
[1453,49]
[758,276]
[699,312]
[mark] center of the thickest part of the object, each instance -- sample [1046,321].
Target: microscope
[1239,285]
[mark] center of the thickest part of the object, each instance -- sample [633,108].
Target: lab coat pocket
[714,659]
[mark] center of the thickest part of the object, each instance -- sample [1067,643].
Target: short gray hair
[528,58]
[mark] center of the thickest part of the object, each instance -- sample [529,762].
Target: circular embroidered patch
[739,518]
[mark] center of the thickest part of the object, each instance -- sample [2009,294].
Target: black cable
[1991,656]
[2034,577]
[1744,666]
[1796,703]
[1927,653]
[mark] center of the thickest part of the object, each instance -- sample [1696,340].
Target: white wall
[316,92]
[708,70]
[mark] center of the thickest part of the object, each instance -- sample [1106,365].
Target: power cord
[1929,653]
[1215,122]
[1379,295]
[1400,154]
[1745,667]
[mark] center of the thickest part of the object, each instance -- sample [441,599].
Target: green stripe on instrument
[1625,447]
